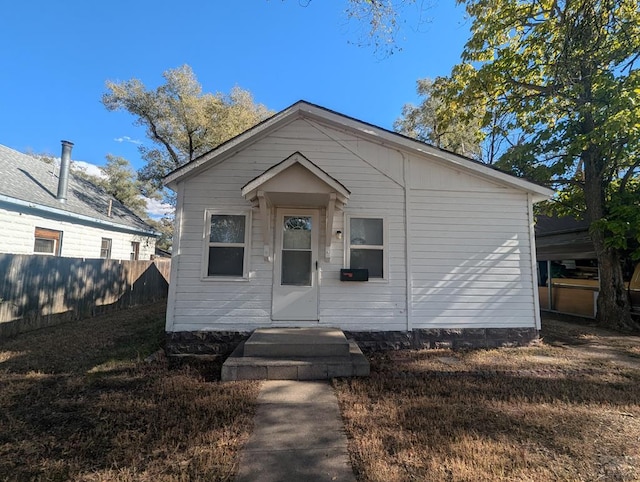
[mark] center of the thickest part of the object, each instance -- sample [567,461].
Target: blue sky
[56,57]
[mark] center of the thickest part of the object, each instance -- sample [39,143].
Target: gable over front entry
[266,222]
[304,199]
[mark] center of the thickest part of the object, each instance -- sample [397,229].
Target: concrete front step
[296,342]
[241,367]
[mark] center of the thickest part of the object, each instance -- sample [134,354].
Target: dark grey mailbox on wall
[354,274]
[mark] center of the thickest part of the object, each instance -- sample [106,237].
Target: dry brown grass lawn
[78,402]
[567,409]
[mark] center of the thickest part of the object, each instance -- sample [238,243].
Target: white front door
[295,276]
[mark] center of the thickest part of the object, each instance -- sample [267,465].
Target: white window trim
[110,249]
[385,244]
[205,244]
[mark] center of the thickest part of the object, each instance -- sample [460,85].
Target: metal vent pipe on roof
[65,164]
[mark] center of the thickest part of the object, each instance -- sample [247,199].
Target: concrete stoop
[295,354]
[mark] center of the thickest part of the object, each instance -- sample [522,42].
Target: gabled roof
[296,158]
[28,182]
[303,109]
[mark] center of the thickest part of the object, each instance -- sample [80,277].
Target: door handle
[316,266]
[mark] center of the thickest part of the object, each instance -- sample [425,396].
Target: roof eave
[375,133]
[233,145]
[370,131]
[80,217]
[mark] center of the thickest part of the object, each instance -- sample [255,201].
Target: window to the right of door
[367,245]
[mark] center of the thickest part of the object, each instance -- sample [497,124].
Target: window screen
[366,245]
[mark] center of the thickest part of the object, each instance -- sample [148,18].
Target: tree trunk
[613,307]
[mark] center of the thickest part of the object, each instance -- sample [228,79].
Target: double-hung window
[227,247]
[47,241]
[367,245]
[105,248]
[135,251]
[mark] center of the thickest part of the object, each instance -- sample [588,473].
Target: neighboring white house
[45,209]
[274,227]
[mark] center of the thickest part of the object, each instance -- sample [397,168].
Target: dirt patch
[593,341]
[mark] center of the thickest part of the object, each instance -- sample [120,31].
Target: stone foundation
[455,339]
[203,342]
[224,342]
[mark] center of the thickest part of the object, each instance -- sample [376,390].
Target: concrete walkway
[298,436]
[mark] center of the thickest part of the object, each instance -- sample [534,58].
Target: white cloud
[89,168]
[128,139]
[156,209]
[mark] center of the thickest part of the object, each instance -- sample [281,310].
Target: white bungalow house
[315,219]
[47,210]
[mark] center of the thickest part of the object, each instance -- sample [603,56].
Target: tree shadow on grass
[78,346]
[79,403]
[501,423]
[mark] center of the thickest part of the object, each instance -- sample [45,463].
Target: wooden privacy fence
[37,291]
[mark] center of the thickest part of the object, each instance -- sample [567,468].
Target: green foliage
[565,72]
[621,224]
[435,122]
[120,181]
[164,226]
[182,122]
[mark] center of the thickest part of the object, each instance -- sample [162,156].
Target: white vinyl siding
[471,262]
[78,240]
[245,306]
[469,253]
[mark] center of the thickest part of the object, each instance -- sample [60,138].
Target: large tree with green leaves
[480,129]
[566,72]
[182,122]
[120,181]
[431,121]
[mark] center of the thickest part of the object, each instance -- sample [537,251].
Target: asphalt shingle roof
[34,180]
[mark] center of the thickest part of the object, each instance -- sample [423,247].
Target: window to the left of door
[47,241]
[226,253]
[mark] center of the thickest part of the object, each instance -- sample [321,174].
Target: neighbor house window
[135,250]
[47,241]
[227,245]
[366,245]
[105,248]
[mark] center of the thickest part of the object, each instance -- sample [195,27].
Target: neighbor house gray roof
[563,237]
[28,182]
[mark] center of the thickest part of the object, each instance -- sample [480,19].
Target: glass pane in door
[297,232]
[296,251]
[296,268]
